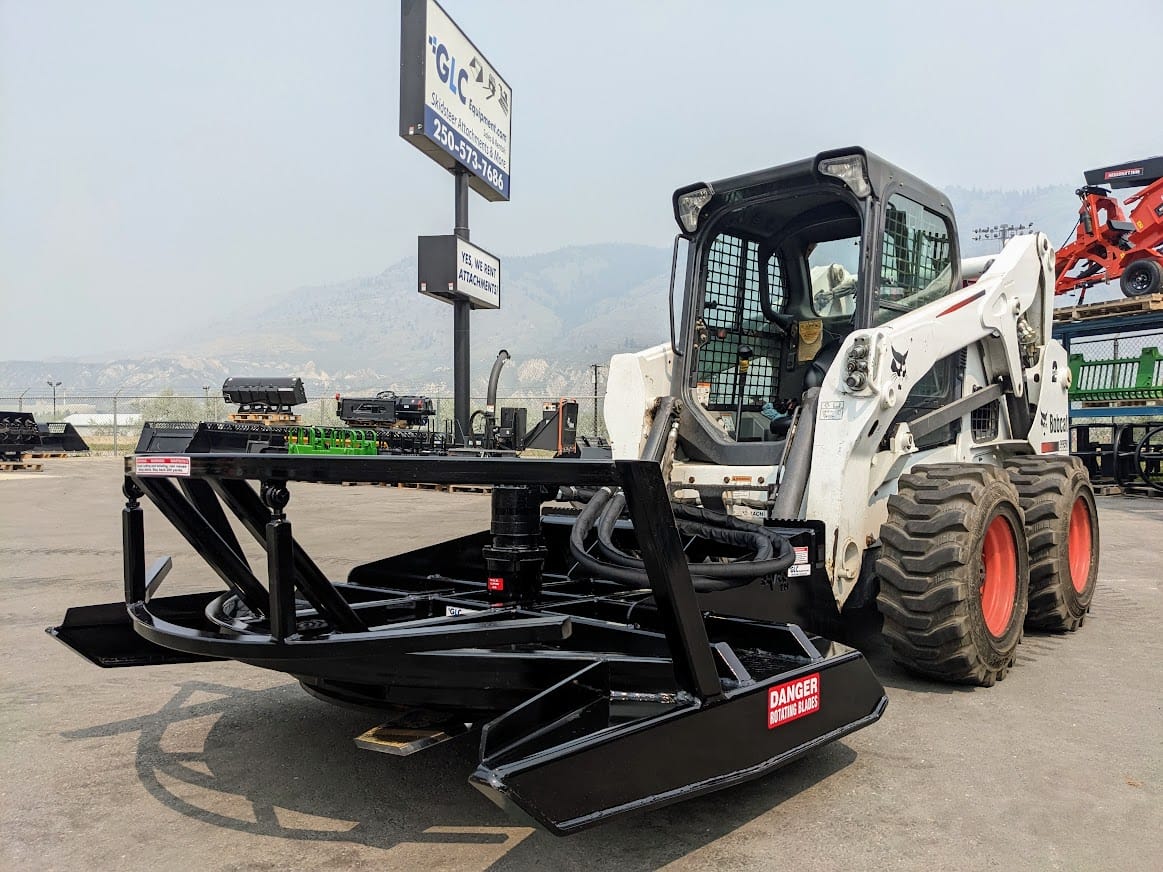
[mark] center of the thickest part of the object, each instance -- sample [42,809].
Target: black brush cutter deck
[592,696]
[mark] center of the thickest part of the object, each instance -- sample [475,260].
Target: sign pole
[461,310]
[456,108]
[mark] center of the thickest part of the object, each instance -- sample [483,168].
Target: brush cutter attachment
[597,686]
[18,433]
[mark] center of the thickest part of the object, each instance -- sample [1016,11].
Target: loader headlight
[688,206]
[850,170]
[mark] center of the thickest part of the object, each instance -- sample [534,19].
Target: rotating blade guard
[575,755]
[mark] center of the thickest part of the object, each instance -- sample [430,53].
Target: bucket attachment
[61,436]
[597,695]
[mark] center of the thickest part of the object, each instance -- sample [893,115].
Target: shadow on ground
[275,762]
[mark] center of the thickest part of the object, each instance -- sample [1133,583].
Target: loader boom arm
[852,474]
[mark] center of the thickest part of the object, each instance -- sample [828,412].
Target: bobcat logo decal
[1054,423]
[898,363]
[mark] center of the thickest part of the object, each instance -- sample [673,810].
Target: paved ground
[218,766]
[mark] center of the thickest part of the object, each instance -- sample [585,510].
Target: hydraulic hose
[570,494]
[770,552]
[494,378]
[798,460]
[655,445]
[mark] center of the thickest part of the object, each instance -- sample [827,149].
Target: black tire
[1142,277]
[933,570]
[1062,529]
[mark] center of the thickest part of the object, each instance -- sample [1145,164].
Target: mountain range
[562,311]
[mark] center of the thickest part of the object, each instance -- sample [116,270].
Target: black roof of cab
[805,173]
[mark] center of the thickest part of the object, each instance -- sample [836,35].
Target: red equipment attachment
[1108,245]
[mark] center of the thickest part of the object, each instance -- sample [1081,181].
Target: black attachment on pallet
[264,394]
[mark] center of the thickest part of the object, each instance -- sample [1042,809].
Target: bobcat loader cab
[832,288]
[783,266]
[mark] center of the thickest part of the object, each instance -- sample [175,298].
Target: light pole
[1004,232]
[54,385]
[206,400]
[115,398]
[22,393]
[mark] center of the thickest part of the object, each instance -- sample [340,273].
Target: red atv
[1107,246]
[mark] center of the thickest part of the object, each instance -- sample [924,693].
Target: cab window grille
[983,422]
[733,315]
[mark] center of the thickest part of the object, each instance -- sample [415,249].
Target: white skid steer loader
[837,366]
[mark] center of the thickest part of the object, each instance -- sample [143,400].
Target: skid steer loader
[845,417]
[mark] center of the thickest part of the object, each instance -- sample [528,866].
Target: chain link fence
[1122,346]
[112,424]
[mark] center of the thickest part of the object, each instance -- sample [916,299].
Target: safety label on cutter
[793,699]
[802,566]
[157,465]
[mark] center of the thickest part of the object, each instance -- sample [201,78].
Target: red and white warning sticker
[801,565]
[158,465]
[793,699]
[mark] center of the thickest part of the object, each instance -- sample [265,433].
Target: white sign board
[454,105]
[451,268]
[478,275]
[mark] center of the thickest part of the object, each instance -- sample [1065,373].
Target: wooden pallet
[270,420]
[20,466]
[1117,404]
[1107,490]
[45,455]
[1125,306]
[1141,490]
[442,488]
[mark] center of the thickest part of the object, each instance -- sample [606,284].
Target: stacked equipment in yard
[1116,391]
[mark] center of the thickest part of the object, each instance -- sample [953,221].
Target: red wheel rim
[999,585]
[1079,544]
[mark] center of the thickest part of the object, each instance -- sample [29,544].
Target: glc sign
[454,105]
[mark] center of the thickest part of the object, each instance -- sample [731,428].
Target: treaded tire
[1141,277]
[1063,548]
[933,570]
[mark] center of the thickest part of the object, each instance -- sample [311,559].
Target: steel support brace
[206,541]
[280,579]
[133,544]
[670,579]
[201,496]
[246,504]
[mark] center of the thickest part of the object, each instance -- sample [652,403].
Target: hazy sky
[164,161]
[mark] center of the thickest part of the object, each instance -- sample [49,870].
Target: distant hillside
[561,311]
